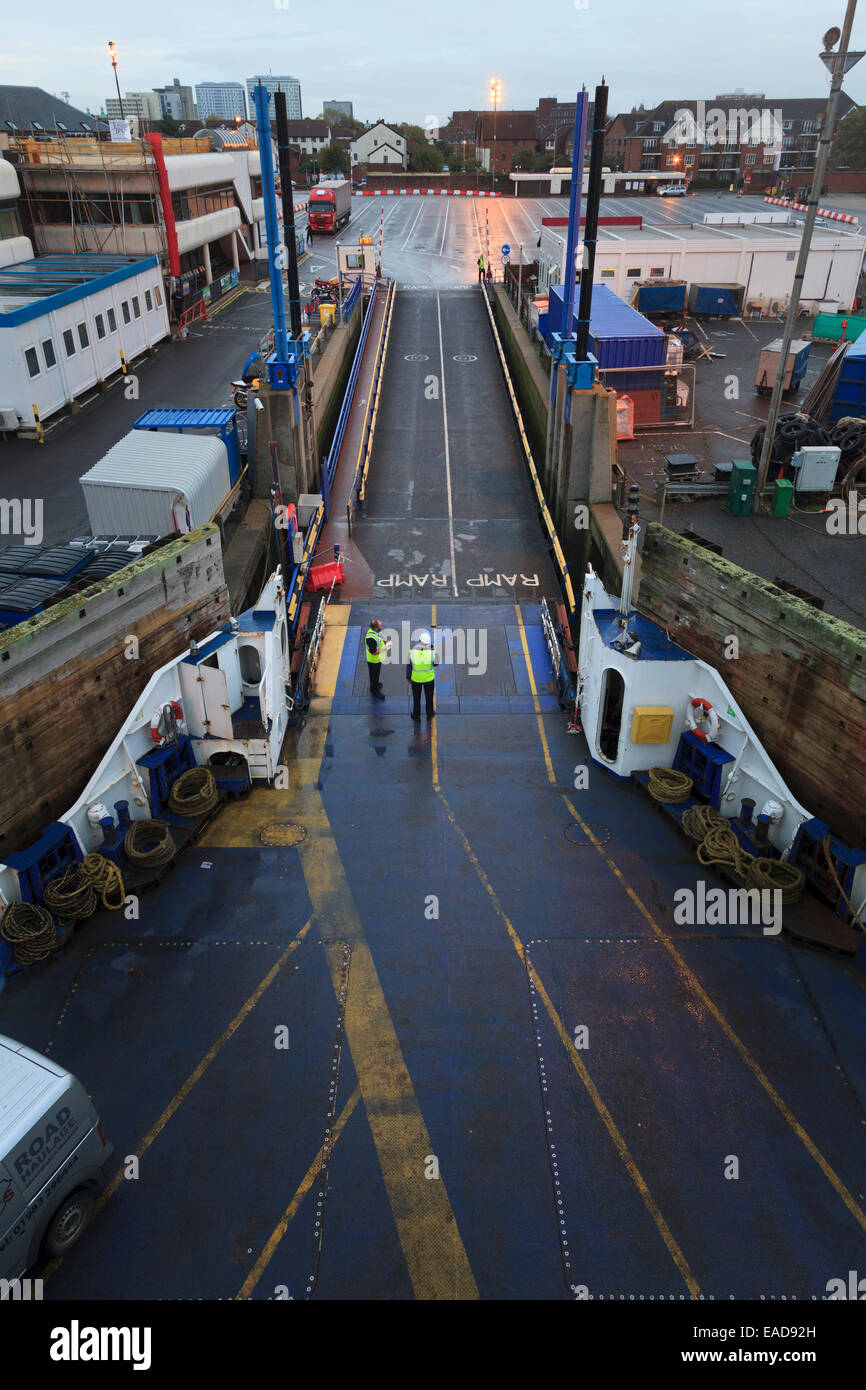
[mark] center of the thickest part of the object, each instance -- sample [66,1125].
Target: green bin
[741,487]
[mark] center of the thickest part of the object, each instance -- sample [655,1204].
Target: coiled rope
[721,846]
[698,820]
[30,930]
[148,844]
[668,785]
[194,793]
[106,879]
[71,895]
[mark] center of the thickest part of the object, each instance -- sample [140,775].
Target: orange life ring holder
[159,738]
[702,719]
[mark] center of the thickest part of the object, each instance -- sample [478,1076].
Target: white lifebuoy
[173,710]
[702,719]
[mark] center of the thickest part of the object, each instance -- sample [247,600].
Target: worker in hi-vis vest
[420,673]
[376,647]
[481,269]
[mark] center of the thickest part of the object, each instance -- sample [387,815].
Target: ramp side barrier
[365,449]
[329,468]
[553,541]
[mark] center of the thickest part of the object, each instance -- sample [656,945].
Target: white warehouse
[68,323]
[759,257]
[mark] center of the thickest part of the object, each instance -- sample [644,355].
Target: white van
[53,1157]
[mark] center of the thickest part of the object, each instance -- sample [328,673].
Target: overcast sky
[406,63]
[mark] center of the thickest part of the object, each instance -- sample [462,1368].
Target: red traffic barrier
[323,576]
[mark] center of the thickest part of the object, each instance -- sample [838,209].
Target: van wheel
[68,1223]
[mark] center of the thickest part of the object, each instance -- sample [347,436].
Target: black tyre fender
[69,1222]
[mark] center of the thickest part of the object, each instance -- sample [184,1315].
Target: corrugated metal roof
[183,462]
[136,483]
[164,419]
[611,317]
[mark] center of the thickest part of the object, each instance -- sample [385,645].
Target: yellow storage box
[651,723]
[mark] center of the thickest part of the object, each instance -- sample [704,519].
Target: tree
[334,159]
[849,147]
[425,159]
[169,126]
[336,118]
[413,132]
[523,160]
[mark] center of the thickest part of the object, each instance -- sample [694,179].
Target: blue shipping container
[849,397]
[618,335]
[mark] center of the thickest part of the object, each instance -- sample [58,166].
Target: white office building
[223,99]
[290,85]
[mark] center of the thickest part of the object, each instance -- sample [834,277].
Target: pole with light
[495,97]
[838,63]
[112,53]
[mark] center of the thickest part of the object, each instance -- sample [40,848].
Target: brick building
[751,140]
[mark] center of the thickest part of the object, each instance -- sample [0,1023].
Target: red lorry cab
[329,206]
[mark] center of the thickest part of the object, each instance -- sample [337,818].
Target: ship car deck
[421,1024]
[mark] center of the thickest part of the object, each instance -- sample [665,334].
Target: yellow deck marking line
[291,1210]
[551,775]
[691,979]
[194,1077]
[607,1119]
[426,1226]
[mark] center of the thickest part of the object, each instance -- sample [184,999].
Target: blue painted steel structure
[284,361]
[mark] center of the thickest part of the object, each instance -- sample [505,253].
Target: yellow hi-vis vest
[422,664]
[380,647]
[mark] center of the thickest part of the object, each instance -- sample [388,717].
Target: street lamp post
[838,63]
[495,97]
[112,53]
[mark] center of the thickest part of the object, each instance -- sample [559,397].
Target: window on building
[127,316]
[136,307]
[32,361]
[608,274]
[689,159]
[633,272]
[148,301]
[156,294]
[112,321]
[100,326]
[69,342]
[750,158]
[48,353]
[83,336]
[657,270]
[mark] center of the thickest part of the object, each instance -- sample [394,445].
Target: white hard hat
[423,638]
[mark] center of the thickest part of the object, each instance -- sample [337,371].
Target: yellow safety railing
[382,347]
[546,518]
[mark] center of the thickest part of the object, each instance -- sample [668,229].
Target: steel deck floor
[351,1064]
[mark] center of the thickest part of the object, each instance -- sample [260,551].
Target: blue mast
[262,100]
